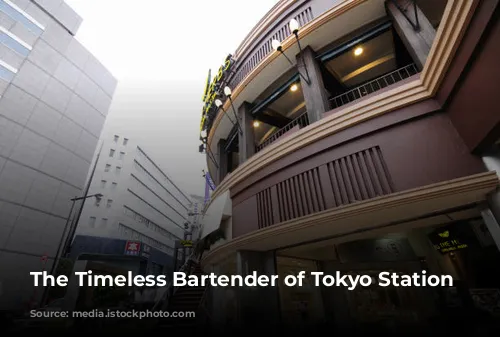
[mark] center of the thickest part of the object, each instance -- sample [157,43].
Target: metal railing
[374,85]
[300,121]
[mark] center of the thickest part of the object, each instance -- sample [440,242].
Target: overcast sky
[160,51]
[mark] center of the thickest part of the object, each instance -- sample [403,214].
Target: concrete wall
[54,100]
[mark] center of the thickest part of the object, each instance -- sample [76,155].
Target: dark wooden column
[315,95]
[418,42]
[221,153]
[246,138]
[253,312]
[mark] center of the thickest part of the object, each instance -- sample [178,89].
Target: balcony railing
[374,85]
[298,123]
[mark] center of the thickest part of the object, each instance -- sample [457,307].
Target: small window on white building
[92,221]
[113,186]
[118,169]
[109,203]
[125,141]
[116,138]
[111,153]
[122,155]
[103,183]
[107,168]
[97,202]
[104,222]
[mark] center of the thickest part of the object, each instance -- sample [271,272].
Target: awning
[219,208]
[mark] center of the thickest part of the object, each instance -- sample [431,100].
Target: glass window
[109,203]
[103,183]
[107,168]
[118,169]
[104,222]
[122,155]
[12,43]
[6,74]
[92,221]
[97,202]
[111,153]
[125,141]
[113,185]
[15,14]
[116,138]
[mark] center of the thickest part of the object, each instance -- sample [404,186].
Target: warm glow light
[294,87]
[256,124]
[358,51]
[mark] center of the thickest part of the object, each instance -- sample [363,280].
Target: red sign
[132,248]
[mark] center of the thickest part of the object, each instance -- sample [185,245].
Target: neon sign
[212,88]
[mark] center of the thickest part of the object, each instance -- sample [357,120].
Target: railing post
[417,42]
[222,170]
[246,138]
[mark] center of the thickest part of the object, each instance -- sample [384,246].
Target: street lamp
[294,27]
[65,240]
[219,105]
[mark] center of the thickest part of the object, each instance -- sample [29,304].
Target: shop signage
[132,248]
[450,238]
[187,243]
[213,87]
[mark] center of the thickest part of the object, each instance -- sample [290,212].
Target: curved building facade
[54,98]
[355,137]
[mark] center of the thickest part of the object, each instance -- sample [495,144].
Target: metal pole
[75,223]
[58,253]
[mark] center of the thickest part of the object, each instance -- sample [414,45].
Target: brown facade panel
[474,106]
[245,217]
[419,152]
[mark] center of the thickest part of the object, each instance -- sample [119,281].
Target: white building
[54,100]
[140,201]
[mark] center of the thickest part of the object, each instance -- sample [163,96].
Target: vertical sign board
[132,248]
[146,251]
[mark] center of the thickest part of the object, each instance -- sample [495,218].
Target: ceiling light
[294,87]
[256,124]
[358,51]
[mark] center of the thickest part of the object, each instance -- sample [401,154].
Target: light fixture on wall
[358,51]
[294,87]
[256,124]
[219,105]
[294,27]
[228,93]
